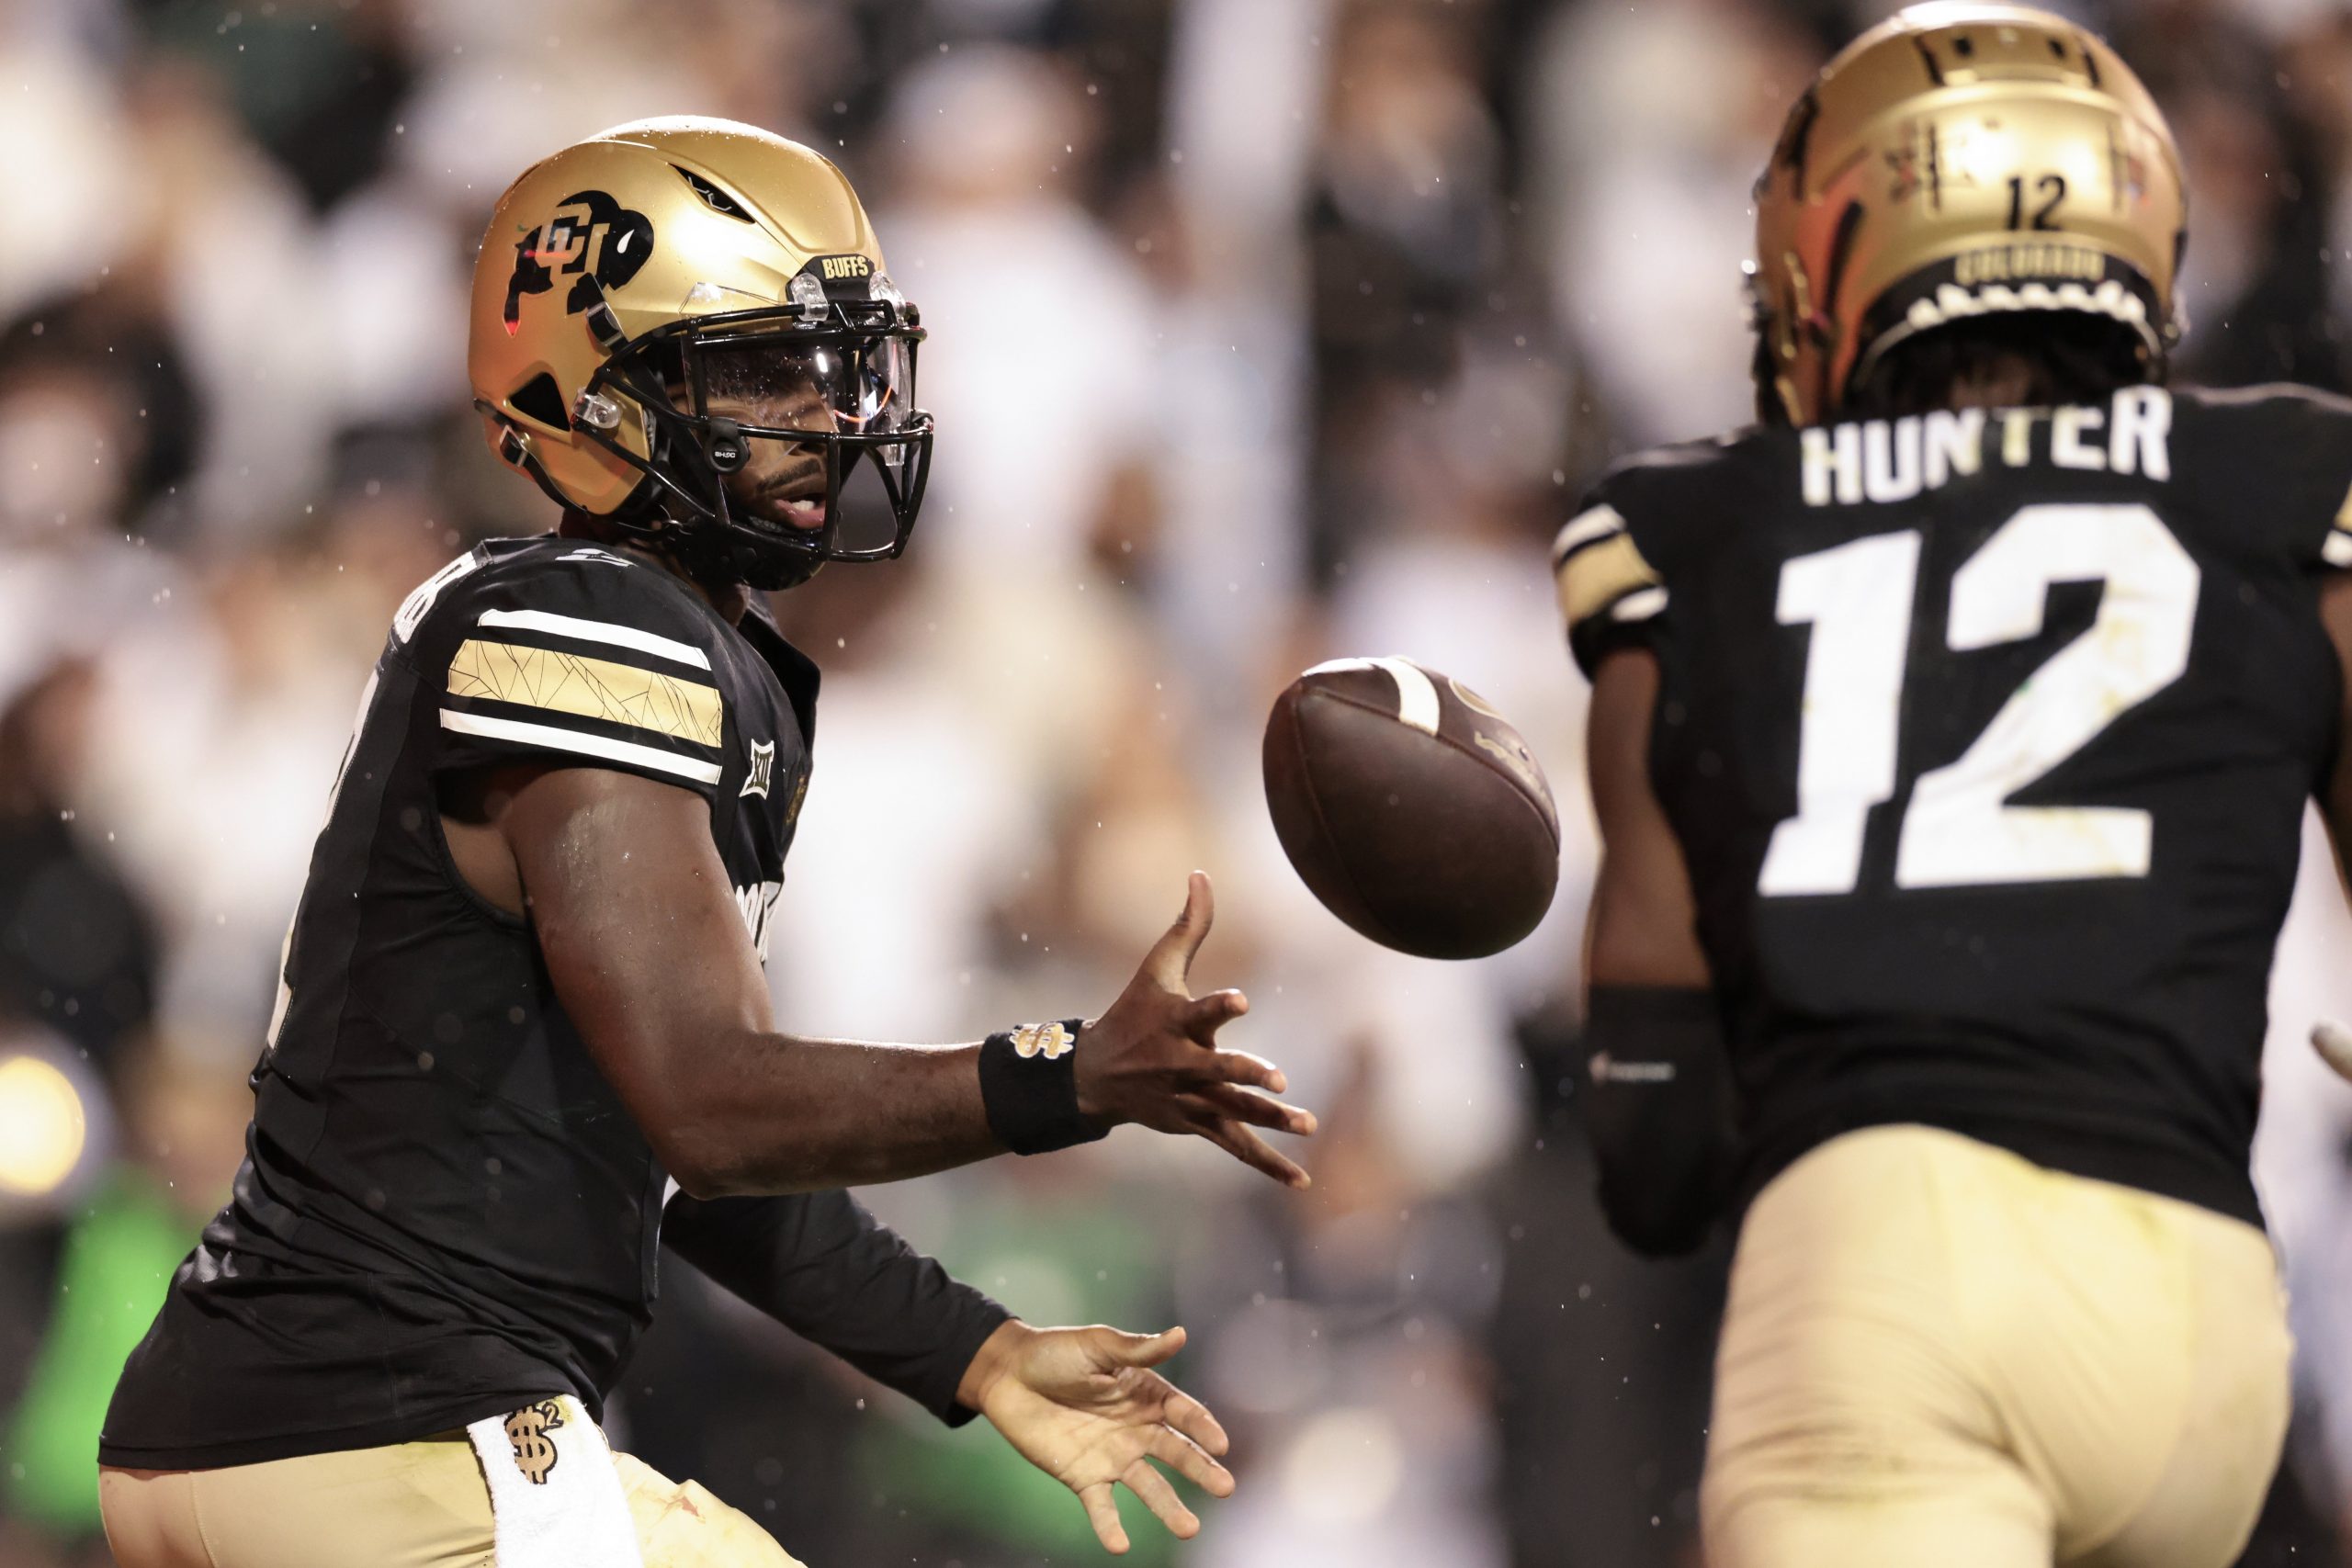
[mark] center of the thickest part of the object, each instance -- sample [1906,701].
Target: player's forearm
[827,1269]
[647,950]
[769,1113]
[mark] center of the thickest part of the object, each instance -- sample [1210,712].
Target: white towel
[555,1499]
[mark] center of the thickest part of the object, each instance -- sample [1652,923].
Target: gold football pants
[1939,1355]
[419,1505]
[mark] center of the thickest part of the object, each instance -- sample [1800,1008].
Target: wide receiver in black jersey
[1950,735]
[523,1038]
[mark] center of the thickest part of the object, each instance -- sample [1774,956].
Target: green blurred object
[119,1258]
[1073,1257]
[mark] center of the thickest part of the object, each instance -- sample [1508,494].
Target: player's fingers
[1170,958]
[1144,1349]
[1254,1152]
[1241,1067]
[1103,1514]
[1204,1016]
[1196,1421]
[1160,1498]
[2332,1041]
[1184,1457]
[1241,1105]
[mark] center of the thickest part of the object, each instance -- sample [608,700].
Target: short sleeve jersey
[1987,736]
[445,1211]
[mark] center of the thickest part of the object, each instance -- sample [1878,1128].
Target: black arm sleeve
[818,1263]
[1658,1106]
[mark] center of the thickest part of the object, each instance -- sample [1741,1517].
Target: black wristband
[1029,1087]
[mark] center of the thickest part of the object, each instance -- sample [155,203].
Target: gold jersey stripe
[2344,513]
[1599,575]
[593,688]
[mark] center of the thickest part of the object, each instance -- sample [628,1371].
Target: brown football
[1411,807]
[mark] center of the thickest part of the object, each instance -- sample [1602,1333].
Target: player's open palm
[1083,1406]
[1153,1058]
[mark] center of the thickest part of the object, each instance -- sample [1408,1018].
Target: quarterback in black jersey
[524,1039]
[1951,737]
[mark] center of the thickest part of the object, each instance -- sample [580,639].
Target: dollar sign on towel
[527,1430]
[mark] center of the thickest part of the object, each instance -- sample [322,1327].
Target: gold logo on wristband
[1047,1040]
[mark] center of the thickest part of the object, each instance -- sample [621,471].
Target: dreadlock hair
[2067,356]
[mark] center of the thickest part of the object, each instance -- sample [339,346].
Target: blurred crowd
[1263,331]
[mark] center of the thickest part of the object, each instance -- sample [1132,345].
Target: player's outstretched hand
[1083,1406]
[1153,1057]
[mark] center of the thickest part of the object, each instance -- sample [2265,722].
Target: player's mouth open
[801,511]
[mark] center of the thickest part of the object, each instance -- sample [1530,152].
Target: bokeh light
[44,1127]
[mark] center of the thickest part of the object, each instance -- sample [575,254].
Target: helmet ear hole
[538,399]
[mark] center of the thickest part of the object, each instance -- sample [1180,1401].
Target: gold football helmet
[1958,159]
[684,326]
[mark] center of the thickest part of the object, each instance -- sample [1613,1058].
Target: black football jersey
[445,1211]
[1987,736]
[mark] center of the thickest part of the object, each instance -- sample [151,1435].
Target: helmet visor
[808,407]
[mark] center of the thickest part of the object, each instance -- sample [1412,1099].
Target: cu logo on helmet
[590,237]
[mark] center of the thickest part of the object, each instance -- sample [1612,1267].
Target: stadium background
[1263,331]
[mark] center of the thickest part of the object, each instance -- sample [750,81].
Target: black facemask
[783,438]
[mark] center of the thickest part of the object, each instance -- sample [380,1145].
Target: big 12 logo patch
[590,236]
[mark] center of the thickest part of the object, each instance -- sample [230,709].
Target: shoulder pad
[1599,570]
[1610,561]
[560,650]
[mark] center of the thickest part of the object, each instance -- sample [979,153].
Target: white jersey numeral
[405,620]
[1857,598]
[415,608]
[334,795]
[1959,829]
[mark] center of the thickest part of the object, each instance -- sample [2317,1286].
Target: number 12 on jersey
[1959,829]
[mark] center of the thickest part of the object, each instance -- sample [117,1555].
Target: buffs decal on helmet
[591,235]
[1957,161]
[684,326]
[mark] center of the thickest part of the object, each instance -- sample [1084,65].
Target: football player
[1951,735]
[523,1038]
